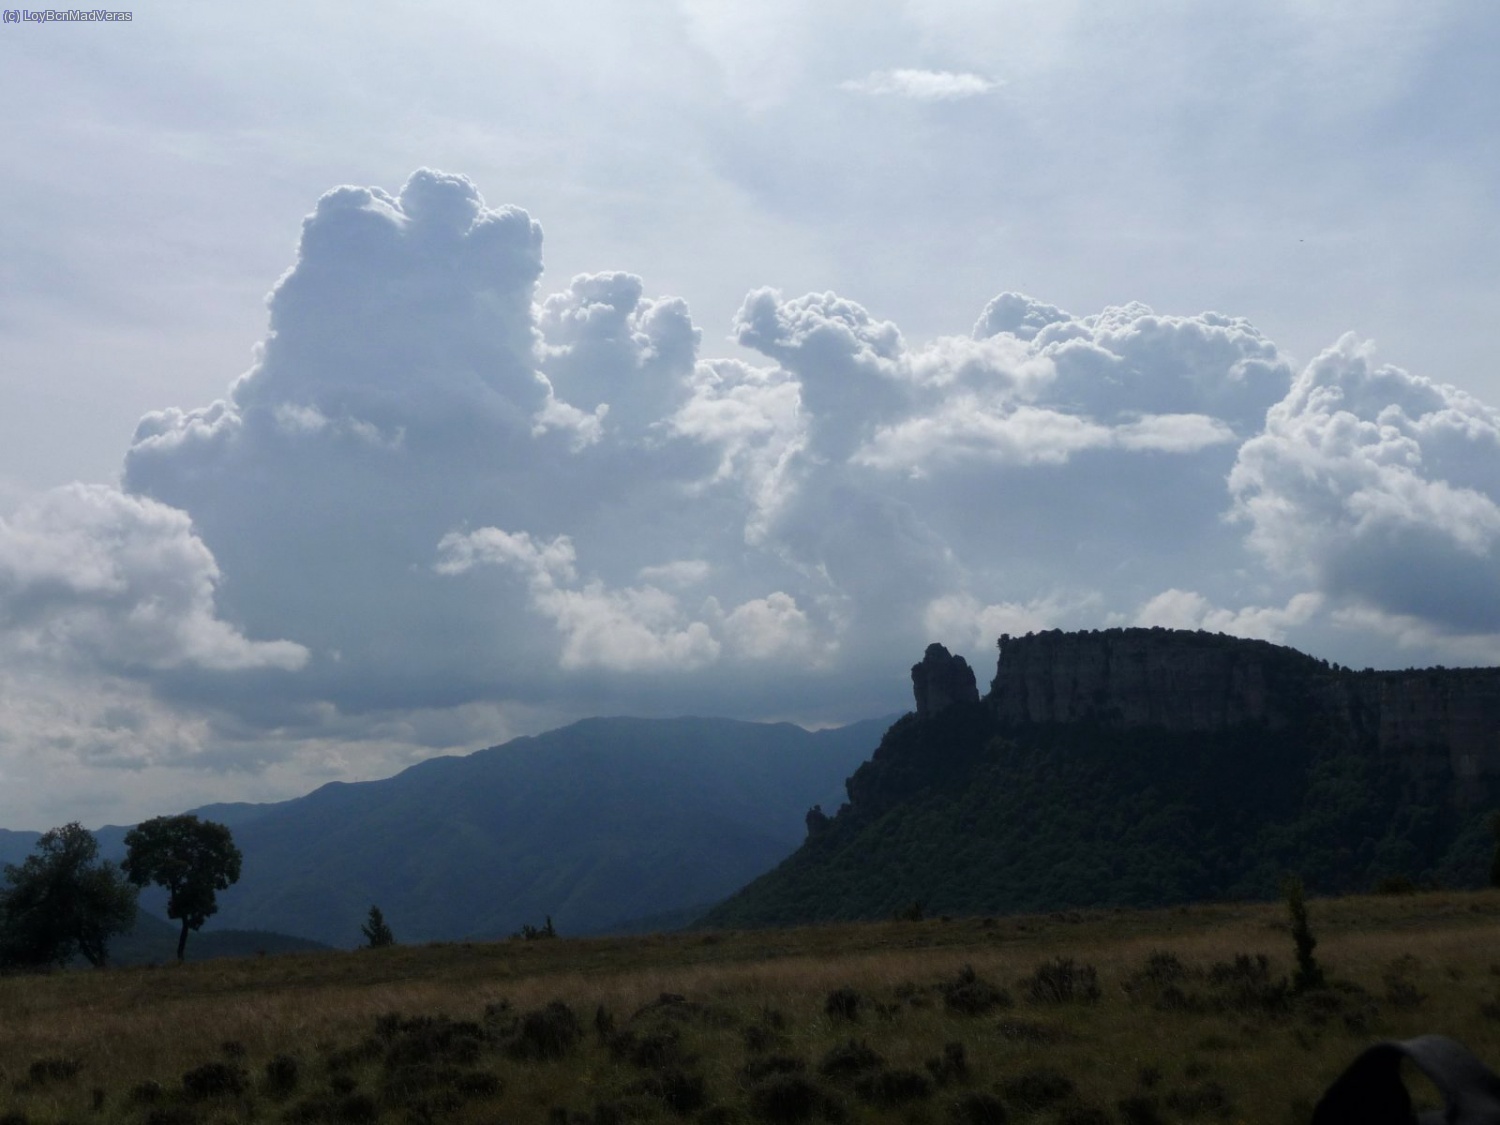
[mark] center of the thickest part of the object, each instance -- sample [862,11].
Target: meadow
[1078,1017]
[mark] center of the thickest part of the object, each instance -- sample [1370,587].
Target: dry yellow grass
[1233,1061]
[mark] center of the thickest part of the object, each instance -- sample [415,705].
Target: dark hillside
[604,824]
[1142,767]
[597,824]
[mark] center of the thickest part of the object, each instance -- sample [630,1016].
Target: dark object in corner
[941,679]
[1370,1091]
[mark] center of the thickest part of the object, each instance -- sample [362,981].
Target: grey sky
[411,527]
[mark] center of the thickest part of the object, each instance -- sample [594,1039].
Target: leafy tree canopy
[61,902]
[193,859]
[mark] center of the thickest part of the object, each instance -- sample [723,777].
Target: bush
[1024,1031]
[850,1059]
[951,1066]
[681,1091]
[215,1080]
[1037,1088]
[757,1069]
[147,1092]
[662,1048]
[894,1087]
[1061,981]
[429,1039]
[281,1075]
[970,995]
[1400,991]
[1201,1101]
[978,1109]
[43,1071]
[529,932]
[548,1033]
[843,1003]
[785,1099]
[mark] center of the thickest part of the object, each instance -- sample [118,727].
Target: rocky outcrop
[1149,677]
[1441,720]
[942,679]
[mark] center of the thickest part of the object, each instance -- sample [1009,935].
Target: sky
[391,382]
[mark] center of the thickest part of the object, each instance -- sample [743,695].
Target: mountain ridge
[599,824]
[1143,767]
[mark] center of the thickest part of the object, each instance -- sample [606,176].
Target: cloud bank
[442,508]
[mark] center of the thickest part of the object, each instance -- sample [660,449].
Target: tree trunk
[182,940]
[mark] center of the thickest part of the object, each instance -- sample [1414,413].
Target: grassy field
[1080,1018]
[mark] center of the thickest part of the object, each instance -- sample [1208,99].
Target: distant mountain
[600,825]
[1149,766]
[154,941]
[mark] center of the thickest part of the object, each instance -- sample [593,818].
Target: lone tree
[191,858]
[376,932]
[63,901]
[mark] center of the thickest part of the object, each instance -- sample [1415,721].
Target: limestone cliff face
[1148,677]
[1444,720]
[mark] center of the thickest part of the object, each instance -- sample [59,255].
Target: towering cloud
[442,507]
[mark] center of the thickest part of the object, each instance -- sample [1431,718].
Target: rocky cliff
[1442,720]
[942,679]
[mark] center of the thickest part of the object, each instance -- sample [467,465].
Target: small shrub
[604,1024]
[548,1033]
[951,1066]
[1024,1031]
[171,1115]
[978,1109]
[1037,1088]
[335,1109]
[1140,1109]
[758,1069]
[281,1075]
[529,932]
[681,1091]
[1201,1101]
[1084,1115]
[760,1038]
[1062,981]
[894,1087]
[785,1099]
[1400,991]
[843,1004]
[43,1071]
[215,1080]
[848,1060]
[659,1049]
[232,1049]
[970,995]
[1245,985]
[1159,982]
[478,1084]
[147,1092]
